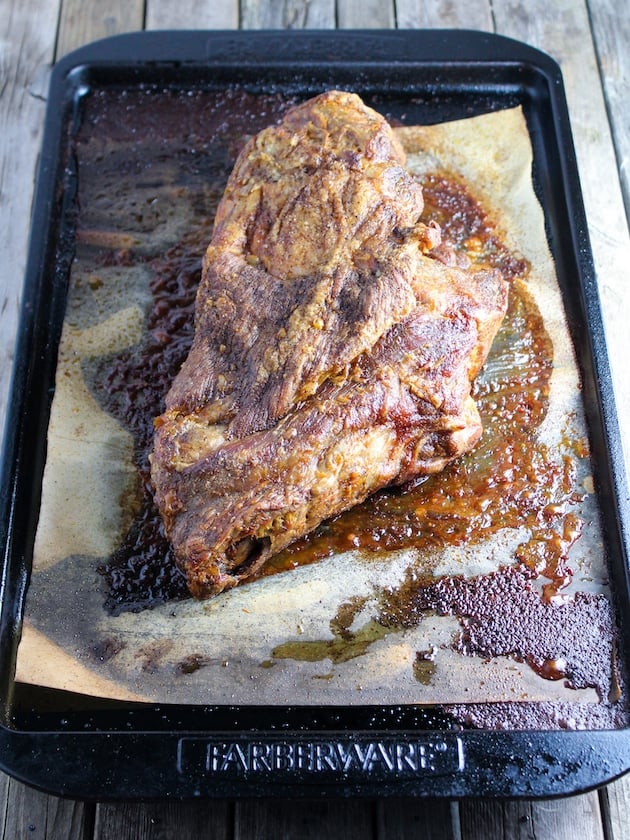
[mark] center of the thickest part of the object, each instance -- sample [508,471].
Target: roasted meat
[333,355]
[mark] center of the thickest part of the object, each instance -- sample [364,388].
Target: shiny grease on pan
[509,480]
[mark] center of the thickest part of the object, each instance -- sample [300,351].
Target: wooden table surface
[591,41]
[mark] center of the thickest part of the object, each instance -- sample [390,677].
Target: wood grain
[615,806]
[434,820]
[191,14]
[366,14]
[83,22]
[288,14]
[164,821]
[290,819]
[27,43]
[562,819]
[611,31]
[31,814]
[444,14]
[27,39]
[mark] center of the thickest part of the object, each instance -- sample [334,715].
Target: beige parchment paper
[70,642]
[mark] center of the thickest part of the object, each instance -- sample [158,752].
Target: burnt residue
[424,665]
[503,614]
[153,654]
[105,649]
[547,715]
[139,155]
[132,385]
[192,663]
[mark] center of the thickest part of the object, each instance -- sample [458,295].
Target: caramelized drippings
[509,480]
[466,226]
[503,483]
[501,614]
[142,571]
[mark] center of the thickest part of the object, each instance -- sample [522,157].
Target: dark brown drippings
[143,571]
[181,147]
[465,224]
[192,663]
[502,614]
[540,716]
[424,666]
[506,482]
[510,480]
[152,655]
[108,648]
[510,477]
[141,153]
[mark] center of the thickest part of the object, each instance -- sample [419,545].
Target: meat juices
[333,354]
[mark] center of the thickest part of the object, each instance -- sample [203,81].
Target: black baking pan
[88,748]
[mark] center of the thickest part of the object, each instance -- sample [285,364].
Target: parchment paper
[274,641]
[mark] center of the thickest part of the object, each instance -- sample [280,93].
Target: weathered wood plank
[288,14]
[192,14]
[164,821]
[31,814]
[286,820]
[563,819]
[562,29]
[27,44]
[444,14]
[366,14]
[27,39]
[611,29]
[400,820]
[83,22]
[615,806]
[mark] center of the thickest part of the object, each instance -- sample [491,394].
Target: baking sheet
[279,640]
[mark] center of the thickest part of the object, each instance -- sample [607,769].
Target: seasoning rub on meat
[333,354]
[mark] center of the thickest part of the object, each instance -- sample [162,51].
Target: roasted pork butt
[332,354]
